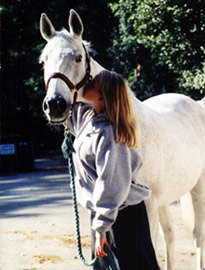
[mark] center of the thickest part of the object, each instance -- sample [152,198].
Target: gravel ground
[37,230]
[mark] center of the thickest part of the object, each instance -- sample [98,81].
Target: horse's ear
[46,27]
[75,24]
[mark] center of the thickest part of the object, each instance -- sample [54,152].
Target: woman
[106,166]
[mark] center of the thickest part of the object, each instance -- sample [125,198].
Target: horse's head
[66,66]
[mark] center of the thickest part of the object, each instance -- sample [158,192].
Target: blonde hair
[118,107]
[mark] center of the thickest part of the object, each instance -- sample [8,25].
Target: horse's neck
[138,106]
[145,115]
[141,110]
[95,67]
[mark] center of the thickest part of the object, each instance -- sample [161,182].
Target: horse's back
[202,102]
[172,103]
[179,108]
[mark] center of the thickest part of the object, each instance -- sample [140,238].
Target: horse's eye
[78,58]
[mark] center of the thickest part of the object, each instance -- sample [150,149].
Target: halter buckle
[74,90]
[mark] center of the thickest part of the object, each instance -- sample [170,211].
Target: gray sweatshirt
[105,171]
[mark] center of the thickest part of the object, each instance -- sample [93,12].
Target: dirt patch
[30,269]
[48,258]
[68,240]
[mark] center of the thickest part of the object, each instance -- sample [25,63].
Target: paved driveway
[37,228]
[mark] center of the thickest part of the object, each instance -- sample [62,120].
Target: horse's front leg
[167,224]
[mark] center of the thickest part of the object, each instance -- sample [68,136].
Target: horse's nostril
[57,106]
[62,104]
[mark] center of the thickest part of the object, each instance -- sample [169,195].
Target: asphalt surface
[37,229]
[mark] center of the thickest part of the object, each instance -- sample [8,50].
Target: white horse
[172,126]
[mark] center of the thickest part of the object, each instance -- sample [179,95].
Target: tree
[168,35]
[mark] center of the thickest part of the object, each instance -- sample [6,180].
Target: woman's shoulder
[104,126]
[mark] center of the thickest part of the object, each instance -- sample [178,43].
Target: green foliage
[194,78]
[171,33]
[154,44]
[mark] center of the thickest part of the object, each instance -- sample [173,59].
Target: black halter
[73,88]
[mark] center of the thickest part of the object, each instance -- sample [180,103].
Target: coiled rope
[67,149]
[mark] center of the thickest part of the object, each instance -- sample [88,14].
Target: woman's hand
[99,244]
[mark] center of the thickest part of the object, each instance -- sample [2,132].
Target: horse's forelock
[64,34]
[67,36]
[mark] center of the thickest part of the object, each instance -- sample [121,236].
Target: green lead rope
[67,149]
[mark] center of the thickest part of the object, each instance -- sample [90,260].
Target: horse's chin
[57,121]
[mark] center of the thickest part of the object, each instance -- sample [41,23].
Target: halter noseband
[73,88]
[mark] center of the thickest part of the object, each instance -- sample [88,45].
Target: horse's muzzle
[56,109]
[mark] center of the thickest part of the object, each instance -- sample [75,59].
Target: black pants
[130,241]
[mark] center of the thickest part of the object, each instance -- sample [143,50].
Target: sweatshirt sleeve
[114,171]
[78,115]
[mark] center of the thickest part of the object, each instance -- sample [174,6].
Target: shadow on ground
[25,193]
